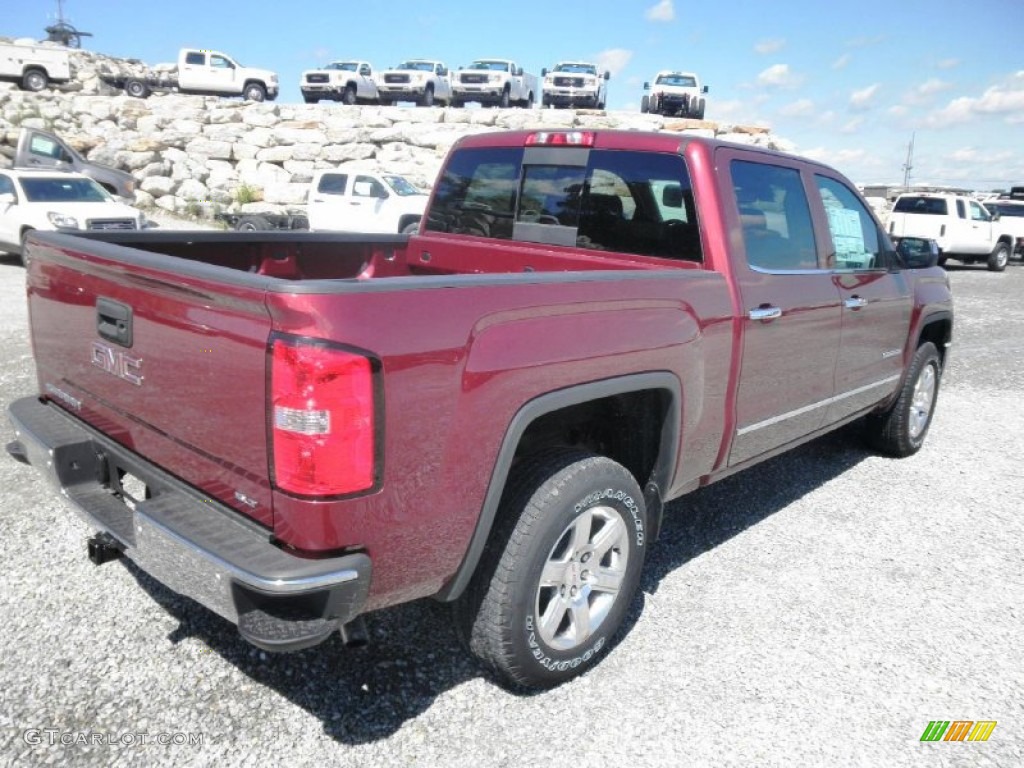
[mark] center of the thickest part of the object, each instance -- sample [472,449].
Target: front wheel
[427,99]
[559,572]
[645,104]
[506,99]
[999,258]
[255,92]
[901,430]
[348,97]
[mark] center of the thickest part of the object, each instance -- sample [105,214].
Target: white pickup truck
[675,93]
[350,82]
[1011,220]
[575,84]
[424,81]
[498,82]
[964,229]
[363,201]
[204,72]
[34,67]
[57,201]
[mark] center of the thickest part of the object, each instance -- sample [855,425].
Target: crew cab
[423,81]
[575,84]
[363,201]
[675,93]
[964,229]
[494,82]
[350,82]
[203,72]
[297,430]
[57,201]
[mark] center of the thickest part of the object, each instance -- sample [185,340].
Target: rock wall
[199,155]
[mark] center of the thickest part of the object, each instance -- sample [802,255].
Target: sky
[847,83]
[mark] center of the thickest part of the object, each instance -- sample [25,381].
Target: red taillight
[322,419]
[561,139]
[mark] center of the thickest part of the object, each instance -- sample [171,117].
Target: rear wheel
[559,572]
[252,224]
[136,88]
[34,80]
[411,228]
[901,430]
[999,258]
[24,254]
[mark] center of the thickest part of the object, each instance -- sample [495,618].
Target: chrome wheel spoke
[552,619]
[607,580]
[580,614]
[609,537]
[581,531]
[553,574]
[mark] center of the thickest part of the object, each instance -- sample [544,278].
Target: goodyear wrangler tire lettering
[561,569]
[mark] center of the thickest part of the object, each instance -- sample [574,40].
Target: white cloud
[661,11]
[862,98]
[798,108]
[841,62]
[1005,101]
[772,45]
[779,76]
[948,63]
[852,126]
[613,59]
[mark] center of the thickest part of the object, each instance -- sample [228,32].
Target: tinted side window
[854,235]
[6,186]
[476,194]
[332,184]
[775,217]
[195,57]
[367,186]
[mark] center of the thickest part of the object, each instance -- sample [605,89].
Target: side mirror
[704,89]
[647,86]
[443,72]
[607,75]
[918,252]
[519,72]
[544,72]
[995,216]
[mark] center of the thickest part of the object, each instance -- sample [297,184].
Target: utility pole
[908,165]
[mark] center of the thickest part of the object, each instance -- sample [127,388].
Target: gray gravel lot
[819,609]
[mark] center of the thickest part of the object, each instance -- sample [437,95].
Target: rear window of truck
[628,202]
[932,206]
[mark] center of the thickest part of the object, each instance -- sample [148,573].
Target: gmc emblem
[117,363]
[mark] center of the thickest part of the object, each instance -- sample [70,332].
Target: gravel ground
[819,609]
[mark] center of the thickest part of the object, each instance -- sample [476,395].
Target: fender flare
[661,475]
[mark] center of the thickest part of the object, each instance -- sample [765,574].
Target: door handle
[855,303]
[765,314]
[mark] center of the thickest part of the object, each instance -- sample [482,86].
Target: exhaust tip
[103,548]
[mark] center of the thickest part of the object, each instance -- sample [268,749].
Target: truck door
[222,75]
[979,230]
[791,331]
[328,202]
[40,150]
[366,206]
[876,302]
[8,226]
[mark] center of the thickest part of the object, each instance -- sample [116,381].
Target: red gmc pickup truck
[296,429]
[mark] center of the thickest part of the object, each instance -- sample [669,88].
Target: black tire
[255,92]
[23,256]
[349,95]
[645,104]
[901,430]
[311,99]
[698,113]
[252,224]
[411,228]
[34,80]
[506,99]
[533,588]
[136,88]
[427,99]
[999,258]
[528,103]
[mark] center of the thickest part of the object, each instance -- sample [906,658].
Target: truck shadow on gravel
[367,694]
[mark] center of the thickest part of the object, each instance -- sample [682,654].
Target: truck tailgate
[169,363]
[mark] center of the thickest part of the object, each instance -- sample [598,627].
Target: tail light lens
[323,419]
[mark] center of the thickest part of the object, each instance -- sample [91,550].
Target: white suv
[57,201]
